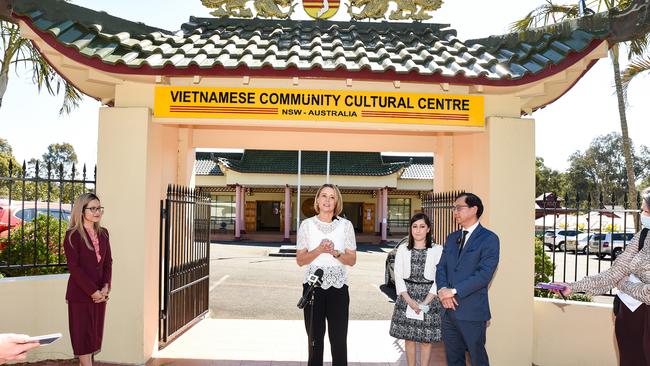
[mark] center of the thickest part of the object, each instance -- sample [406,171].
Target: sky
[30,121]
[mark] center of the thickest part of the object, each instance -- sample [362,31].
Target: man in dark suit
[469,259]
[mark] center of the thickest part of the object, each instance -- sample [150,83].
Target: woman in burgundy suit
[90,264]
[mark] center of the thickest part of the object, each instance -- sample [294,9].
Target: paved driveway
[246,283]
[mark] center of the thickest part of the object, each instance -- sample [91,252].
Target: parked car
[15,215]
[8,218]
[558,238]
[389,271]
[611,244]
[579,244]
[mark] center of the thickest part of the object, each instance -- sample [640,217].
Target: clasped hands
[417,307]
[100,295]
[327,246]
[447,298]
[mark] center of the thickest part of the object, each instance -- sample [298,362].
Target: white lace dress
[341,232]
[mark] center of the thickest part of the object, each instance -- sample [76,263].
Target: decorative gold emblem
[417,10]
[406,9]
[321,9]
[228,8]
[271,8]
[237,8]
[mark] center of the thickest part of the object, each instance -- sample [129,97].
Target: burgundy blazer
[86,274]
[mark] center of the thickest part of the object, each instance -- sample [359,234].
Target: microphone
[314,281]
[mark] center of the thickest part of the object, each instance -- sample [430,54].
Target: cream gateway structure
[481,140]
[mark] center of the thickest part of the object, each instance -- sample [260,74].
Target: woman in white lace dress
[630,273]
[326,241]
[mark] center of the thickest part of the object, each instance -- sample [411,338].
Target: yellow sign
[319,105]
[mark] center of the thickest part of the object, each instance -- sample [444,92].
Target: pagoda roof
[363,50]
[313,162]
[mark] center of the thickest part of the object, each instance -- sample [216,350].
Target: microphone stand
[312,343]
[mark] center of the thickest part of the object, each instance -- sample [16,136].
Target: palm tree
[18,51]
[550,13]
[638,66]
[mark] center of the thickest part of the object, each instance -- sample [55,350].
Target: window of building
[223,212]
[399,212]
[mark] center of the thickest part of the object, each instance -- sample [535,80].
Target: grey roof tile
[418,171]
[402,48]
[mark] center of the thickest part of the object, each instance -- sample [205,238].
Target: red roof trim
[192,70]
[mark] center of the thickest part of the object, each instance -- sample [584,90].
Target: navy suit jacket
[471,273]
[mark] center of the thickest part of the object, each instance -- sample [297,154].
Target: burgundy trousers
[633,335]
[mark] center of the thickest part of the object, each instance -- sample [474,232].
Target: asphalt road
[570,267]
[245,283]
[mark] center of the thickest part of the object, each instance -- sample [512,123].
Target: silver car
[579,243]
[611,244]
[558,238]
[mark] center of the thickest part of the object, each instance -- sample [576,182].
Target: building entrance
[268,215]
[352,212]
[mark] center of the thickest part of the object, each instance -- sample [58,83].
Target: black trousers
[633,335]
[332,305]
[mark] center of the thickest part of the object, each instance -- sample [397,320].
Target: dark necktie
[462,242]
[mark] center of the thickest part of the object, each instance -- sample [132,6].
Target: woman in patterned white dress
[630,273]
[326,241]
[415,273]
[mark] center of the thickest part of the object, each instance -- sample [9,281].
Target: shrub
[544,268]
[546,274]
[39,242]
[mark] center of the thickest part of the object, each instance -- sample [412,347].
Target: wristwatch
[453,291]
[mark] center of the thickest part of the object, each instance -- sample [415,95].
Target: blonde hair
[339,199]
[77,217]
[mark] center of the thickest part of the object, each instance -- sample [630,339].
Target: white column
[237,212]
[131,181]
[499,166]
[186,157]
[384,215]
[287,213]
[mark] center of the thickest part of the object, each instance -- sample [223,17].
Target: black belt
[419,283]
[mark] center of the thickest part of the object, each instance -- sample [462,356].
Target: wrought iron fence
[438,206]
[581,234]
[184,260]
[35,207]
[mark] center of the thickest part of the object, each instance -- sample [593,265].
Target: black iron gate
[438,206]
[184,261]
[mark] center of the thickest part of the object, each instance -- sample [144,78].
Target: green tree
[601,167]
[548,180]
[550,13]
[59,156]
[18,52]
[7,160]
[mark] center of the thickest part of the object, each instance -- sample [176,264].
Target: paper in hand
[411,314]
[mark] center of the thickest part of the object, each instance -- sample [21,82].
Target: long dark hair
[420,216]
